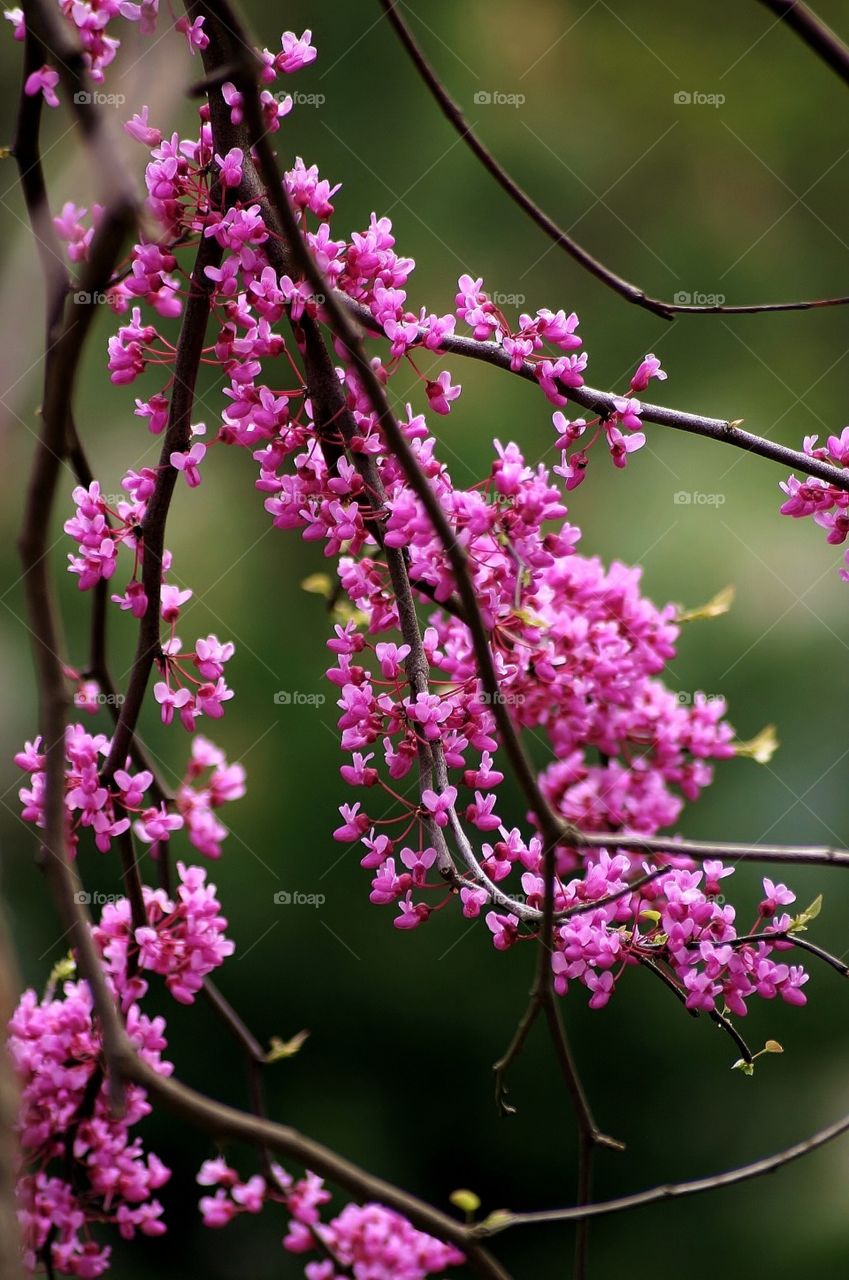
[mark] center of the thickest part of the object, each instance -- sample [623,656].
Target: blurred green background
[747,199]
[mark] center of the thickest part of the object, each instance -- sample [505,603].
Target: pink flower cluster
[368,1241]
[828,505]
[578,649]
[680,919]
[183,940]
[108,811]
[193,682]
[82,1164]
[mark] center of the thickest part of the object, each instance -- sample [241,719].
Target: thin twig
[152,536]
[669,1191]
[630,292]
[700,850]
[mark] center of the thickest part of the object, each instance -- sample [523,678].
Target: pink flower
[412,914]
[439,805]
[196,38]
[190,461]
[171,700]
[231,167]
[43,81]
[296,52]
[441,393]
[775,896]
[620,445]
[504,929]
[157,824]
[648,369]
[171,601]
[137,127]
[418,862]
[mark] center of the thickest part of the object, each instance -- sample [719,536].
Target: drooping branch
[669,1191]
[630,292]
[152,534]
[61,364]
[50,33]
[816,35]
[542,995]
[122,1062]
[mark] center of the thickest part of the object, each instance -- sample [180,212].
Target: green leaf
[761,748]
[281,1049]
[318,584]
[498,1218]
[714,608]
[62,970]
[801,922]
[465,1200]
[748,1068]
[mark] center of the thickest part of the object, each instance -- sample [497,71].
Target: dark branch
[816,35]
[630,292]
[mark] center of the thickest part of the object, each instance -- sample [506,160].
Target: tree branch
[602,403]
[816,35]
[630,292]
[669,1191]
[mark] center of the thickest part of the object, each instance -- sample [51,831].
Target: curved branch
[630,292]
[669,1191]
[152,535]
